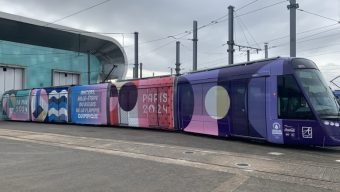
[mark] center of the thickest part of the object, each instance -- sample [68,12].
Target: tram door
[257,107]
[239,115]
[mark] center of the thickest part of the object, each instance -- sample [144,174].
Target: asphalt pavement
[52,157]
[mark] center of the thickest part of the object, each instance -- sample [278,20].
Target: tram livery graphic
[15,105]
[279,100]
[49,104]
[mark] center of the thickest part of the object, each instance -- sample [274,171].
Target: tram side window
[291,102]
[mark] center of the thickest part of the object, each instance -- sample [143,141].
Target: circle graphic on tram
[217,102]
[128,96]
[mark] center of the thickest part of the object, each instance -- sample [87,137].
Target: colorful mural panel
[39,105]
[88,104]
[58,104]
[15,105]
[201,103]
[215,102]
[49,104]
[147,103]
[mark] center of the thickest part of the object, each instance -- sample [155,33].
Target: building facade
[37,54]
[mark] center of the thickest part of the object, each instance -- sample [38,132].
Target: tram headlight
[336,124]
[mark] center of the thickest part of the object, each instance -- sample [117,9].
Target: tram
[278,100]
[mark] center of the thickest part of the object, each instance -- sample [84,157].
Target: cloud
[155,19]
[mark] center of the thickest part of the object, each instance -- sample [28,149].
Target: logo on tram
[276,129]
[307,132]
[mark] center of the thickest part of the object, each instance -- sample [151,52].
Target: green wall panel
[39,62]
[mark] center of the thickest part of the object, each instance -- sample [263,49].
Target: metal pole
[171,71]
[177,69]
[265,50]
[141,70]
[248,55]
[194,39]
[88,68]
[292,8]
[231,35]
[108,75]
[135,74]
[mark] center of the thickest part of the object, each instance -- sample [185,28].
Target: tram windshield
[321,97]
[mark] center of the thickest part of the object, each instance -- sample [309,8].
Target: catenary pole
[292,9]
[194,39]
[135,74]
[141,70]
[178,64]
[265,50]
[231,35]
[248,55]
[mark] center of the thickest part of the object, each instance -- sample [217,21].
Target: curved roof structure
[34,32]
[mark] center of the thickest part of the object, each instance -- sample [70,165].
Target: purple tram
[280,100]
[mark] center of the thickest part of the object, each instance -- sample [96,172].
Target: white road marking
[275,153]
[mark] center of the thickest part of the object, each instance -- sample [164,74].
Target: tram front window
[292,103]
[320,95]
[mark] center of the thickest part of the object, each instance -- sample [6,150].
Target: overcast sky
[318,37]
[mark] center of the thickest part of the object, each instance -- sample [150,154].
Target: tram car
[279,100]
